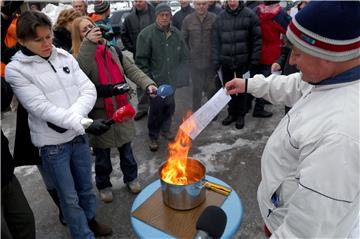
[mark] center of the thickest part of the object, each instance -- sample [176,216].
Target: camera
[106,32]
[121,88]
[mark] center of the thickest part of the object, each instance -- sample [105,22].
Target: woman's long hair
[75,34]
[65,16]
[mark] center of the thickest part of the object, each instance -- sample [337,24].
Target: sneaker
[106,195]
[139,115]
[167,135]
[134,186]
[153,145]
[99,229]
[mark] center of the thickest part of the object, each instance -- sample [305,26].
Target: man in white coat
[311,164]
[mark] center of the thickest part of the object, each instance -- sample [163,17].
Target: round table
[232,207]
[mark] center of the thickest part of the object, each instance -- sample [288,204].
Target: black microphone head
[213,221]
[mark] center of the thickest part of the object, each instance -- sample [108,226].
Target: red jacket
[273,22]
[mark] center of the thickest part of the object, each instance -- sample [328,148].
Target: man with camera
[101,18]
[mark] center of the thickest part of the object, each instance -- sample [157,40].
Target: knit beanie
[161,7]
[101,6]
[329,30]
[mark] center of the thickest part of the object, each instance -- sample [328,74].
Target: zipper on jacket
[62,86]
[52,66]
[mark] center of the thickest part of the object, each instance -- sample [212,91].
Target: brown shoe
[99,229]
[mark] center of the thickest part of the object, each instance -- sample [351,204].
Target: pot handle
[217,188]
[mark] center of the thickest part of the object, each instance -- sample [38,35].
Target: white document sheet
[203,116]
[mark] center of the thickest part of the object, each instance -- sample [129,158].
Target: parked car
[175,6]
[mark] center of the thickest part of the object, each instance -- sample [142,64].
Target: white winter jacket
[54,90]
[310,166]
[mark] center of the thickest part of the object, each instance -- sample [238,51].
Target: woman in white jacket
[58,96]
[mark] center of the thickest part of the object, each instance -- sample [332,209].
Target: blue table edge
[232,207]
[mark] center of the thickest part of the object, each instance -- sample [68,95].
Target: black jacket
[237,38]
[215,9]
[133,24]
[7,162]
[178,18]
[62,39]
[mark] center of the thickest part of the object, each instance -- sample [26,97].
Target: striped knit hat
[329,30]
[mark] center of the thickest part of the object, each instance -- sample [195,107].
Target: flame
[175,170]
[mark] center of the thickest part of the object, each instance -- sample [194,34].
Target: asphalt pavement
[229,154]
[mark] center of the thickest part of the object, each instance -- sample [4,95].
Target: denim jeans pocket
[51,151]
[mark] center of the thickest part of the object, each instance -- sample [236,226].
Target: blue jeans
[103,167]
[69,166]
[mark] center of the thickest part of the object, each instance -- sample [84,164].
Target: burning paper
[175,171]
[203,116]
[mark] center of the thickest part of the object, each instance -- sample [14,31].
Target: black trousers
[17,219]
[202,81]
[237,106]
[160,115]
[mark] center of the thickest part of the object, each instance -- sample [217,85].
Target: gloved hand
[120,88]
[98,127]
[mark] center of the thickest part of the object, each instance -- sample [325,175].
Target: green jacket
[164,59]
[119,134]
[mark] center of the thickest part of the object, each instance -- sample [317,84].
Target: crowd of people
[73,70]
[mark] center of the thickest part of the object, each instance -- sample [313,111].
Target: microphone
[211,223]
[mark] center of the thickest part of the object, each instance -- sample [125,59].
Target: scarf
[109,73]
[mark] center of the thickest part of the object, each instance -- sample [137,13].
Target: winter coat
[133,24]
[62,39]
[215,9]
[273,22]
[7,163]
[237,38]
[53,90]
[118,134]
[180,15]
[310,166]
[198,38]
[164,59]
[283,61]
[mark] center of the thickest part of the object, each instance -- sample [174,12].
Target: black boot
[99,229]
[228,120]
[55,198]
[240,122]
[259,111]
[262,114]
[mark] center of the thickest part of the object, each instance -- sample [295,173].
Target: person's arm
[143,53]
[125,36]
[285,51]
[255,39]
[277,89]
[282,21]
[86,100]
[216,43]
[135,74]
[326,202]
[185,32]
[37,104]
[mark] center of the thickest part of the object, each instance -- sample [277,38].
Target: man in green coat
[161,54]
